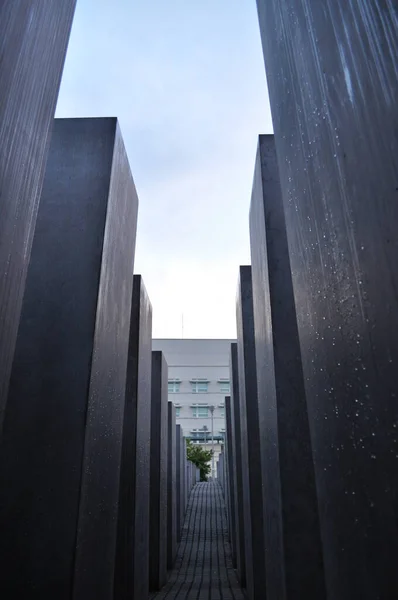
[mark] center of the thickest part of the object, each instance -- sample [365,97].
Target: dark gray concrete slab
[179,481]
[132,550]
[158,475]
[237,483]
[171,486]
[60,451]
[193,475]
[190,481]
[189,475]
[332,79]
[187,480]
[34,40]
[184,475]
[252,475]
[231,508]
[220,471]
[289,493]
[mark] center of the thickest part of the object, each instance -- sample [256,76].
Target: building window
[222,412]
[178,410]
[200,411]
[224,387]
[174,386]
[199,387]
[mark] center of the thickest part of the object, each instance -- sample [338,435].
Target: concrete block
[332,79]
[289,494]
[60,452]
[190,480]
[179,481]
[34,40]
[193,475]
[236,441]
[231,504]
[252,475]
[187,481]
[132,550]
[185,475]
[158,475]
[220,470]
[171,486]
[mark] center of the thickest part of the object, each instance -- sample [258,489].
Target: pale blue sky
[186,79]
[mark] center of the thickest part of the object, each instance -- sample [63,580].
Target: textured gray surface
[220,471]
[184,476]
[252,475]
[171,486]
[33,42]
[188,482]
[132,551]
[231,507]
[294,564]
[180,465]
[158,477]
[236,440]
[332,79]
[203,569]
[61,445]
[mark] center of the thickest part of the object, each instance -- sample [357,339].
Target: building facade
[198,383]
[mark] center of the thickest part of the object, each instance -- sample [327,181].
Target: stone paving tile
[203,569]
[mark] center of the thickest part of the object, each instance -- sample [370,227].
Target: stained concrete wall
[171,486]
[332,80]
[34,40]
[60,452]
[237,482]
[251,431]
[158,474]
[132,550]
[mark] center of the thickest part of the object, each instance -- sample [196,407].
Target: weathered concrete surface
[158,475]
[332,79]
[230,478]
[171,486]
[60,452]
[251,433]
[237,465]
[34,39]
[292,528]
[180,466]
[132,550]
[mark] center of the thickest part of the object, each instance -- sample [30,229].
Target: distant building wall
[198,379]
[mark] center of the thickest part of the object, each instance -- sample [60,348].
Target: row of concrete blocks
[94,480]
[312,444]
[79,390]
[298,476]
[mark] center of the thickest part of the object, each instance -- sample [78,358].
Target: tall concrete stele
[211,408]
[332,77]
[34,38]
[68,445]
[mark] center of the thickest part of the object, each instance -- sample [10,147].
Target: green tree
[201,458]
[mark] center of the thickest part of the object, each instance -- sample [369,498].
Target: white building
[198,381]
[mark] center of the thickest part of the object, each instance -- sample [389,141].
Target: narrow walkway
[203,570]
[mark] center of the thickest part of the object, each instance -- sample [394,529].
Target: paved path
[203,570]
